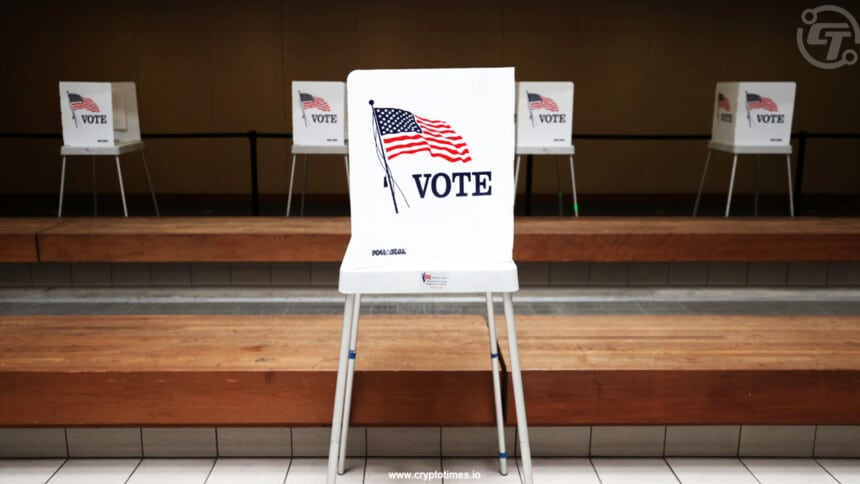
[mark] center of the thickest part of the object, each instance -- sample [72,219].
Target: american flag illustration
[404,133]
[78,102]
[313,102]
[754,101]
[536,101]
[723,102]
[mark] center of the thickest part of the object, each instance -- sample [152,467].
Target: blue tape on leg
[494,355]
[503,455]
[351,354]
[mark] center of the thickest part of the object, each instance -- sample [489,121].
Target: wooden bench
[18,238]
[685,369]
[240,370]
[317,239]
[428,370]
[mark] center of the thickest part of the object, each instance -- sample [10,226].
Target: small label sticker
[434,281]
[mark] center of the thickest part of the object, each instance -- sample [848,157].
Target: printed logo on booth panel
[399,134]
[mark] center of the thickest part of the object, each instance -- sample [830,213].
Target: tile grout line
[749,470]
[665,434]
[289,466]
[139,462]
[594,468]
[814,441]
[56,471]
[672,470]
[827,470]
[211,469]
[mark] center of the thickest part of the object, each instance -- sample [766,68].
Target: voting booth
[101,119]
[751,118]
[319,126]
[432,194]
[544,126]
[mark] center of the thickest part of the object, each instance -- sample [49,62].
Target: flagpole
[531,116]
[384,158]
[302,104]
[747,105]
[69,98]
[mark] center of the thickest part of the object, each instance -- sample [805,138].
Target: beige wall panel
[273,163]
[29,166]
[375,49]
[29,16]
[171,15]
[542,55]
[684,15]
[614,15]
[672,166]
[319,15]
[245,14]
[466,48]
[29,81]
[611,82]
[247,80]
[326,174]
[681,73]
[182,165]
[391,14]
[473,14]
[174,90]
[232,169]
[832,166]
[98,14]
[827,100]
[540,15]
[608,166]
[759,15]
[98,55]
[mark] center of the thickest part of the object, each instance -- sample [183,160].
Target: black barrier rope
[252,137]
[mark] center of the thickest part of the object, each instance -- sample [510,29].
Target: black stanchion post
[798,177]
[528,184]
[255,188]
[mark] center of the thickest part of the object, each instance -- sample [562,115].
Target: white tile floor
[378,470]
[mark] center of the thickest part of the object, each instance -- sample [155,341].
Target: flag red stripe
[435,154]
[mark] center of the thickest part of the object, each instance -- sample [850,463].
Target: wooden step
[240,370]
[18,238]
[685,369]
[320,239]
[428,370]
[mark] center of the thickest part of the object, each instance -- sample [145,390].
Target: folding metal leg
[95,190]
[731,184]
[62,187]
[755,196]
[790,195]
[558,188]
[149,183]
[340,390]
[573,184]
[702,183]
[517,172]
[121,188]
[497,392]
[304,187]
[519,400]
[350,372]
[290,193]
[346,164]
